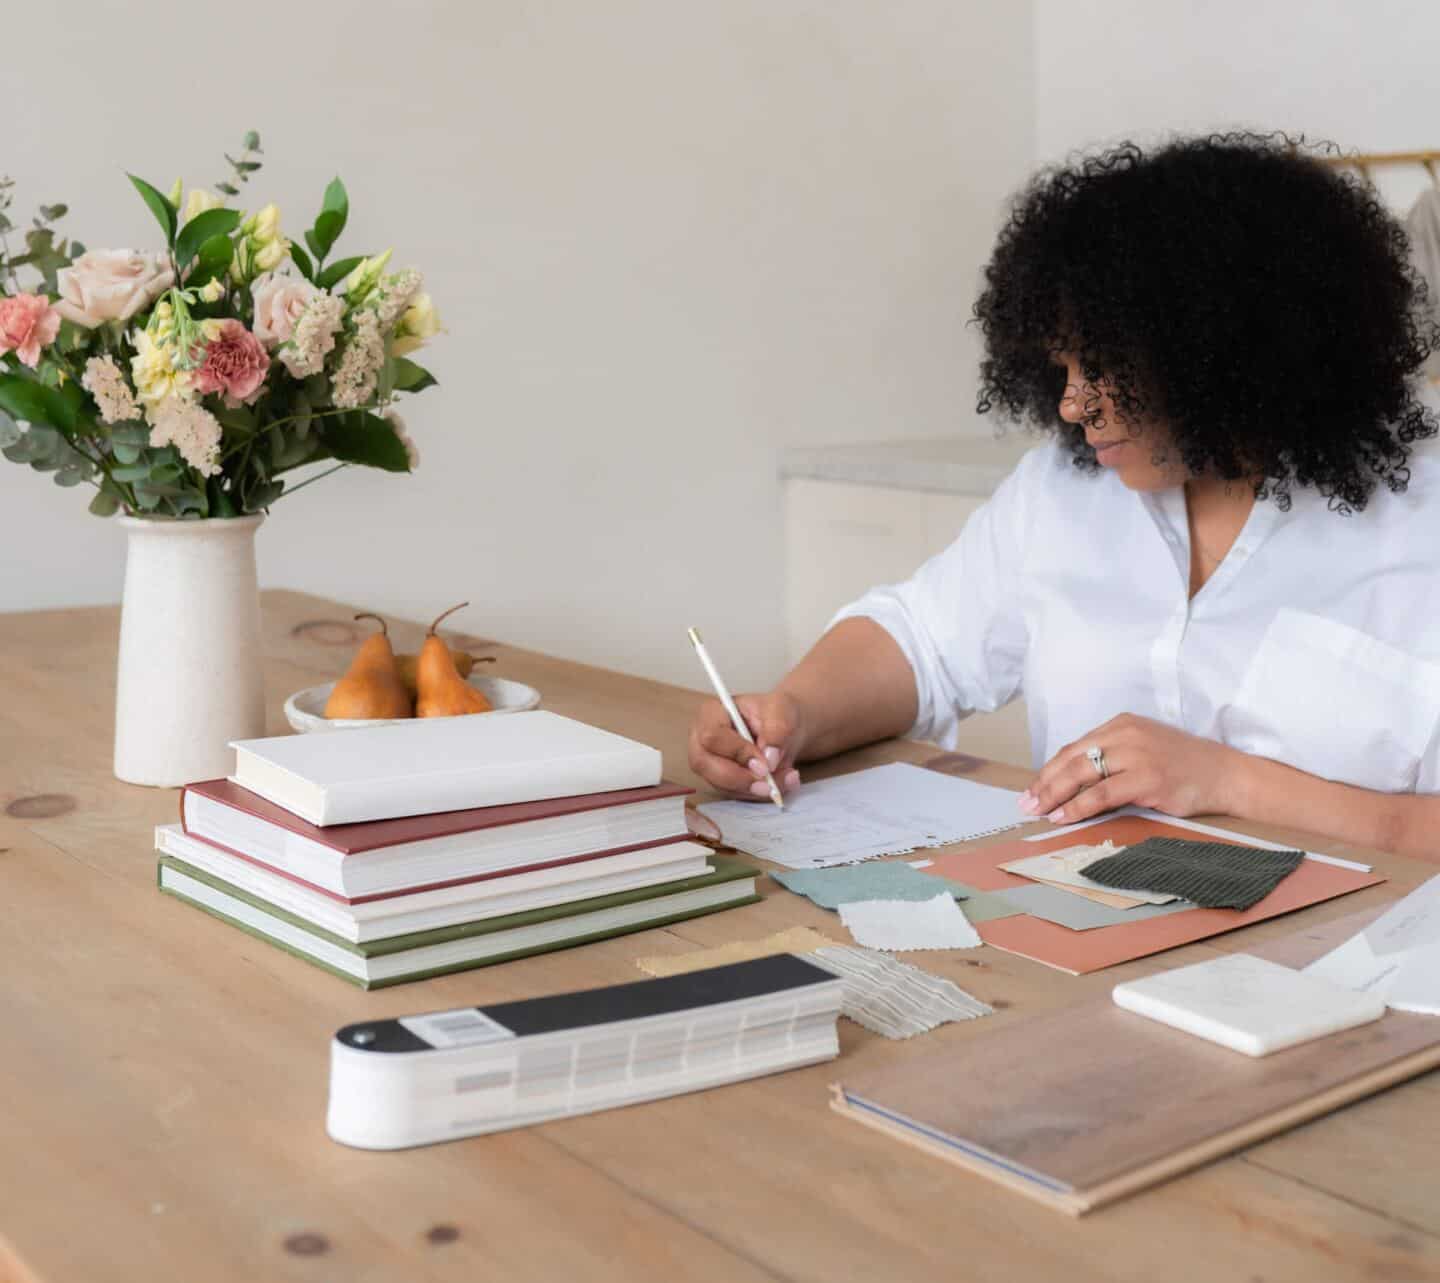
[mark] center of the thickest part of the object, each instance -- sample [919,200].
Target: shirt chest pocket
[1337,702]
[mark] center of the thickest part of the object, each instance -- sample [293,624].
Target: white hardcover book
[440,764]
[1248,1004]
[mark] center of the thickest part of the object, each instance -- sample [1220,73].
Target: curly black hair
[1255,301]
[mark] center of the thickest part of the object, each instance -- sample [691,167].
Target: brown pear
[372,686]
[442,691]
[409,665]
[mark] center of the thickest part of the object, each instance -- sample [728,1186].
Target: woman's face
[1133,450]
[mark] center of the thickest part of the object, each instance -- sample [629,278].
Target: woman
[1218,585]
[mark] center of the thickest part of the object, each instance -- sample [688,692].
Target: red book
[358,862]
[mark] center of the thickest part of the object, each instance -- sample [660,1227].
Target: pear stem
[447,614]
[365,614]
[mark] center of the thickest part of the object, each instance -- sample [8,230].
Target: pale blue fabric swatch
[877,880]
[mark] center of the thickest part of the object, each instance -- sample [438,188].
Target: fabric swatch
[901,925]
[1058,905]
[1216,875]
[1063,867]
[886,996]
[892,998]
[794,940]
[883,880]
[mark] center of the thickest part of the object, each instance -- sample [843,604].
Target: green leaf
[410,377]
[227,189]
[362,437]
[20,451]
[322,237]
[302,260]
[31,402]
[147,499]
[212,260]
[237,421]
[338,271]
[51,212]
[131,472]
[251,141]
[70,475]
[336,201]
[264,496]
[125,453]
[162,209]
[9,430]
[75,250]
[130,434]
[190,501]
[105,503]
[212,224]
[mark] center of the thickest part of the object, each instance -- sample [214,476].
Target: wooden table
[164,1078]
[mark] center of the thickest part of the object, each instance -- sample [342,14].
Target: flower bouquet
[188,382]
[185,384]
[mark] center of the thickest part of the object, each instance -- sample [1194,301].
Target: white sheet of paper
[1397,956]
[896,925]
[887,810]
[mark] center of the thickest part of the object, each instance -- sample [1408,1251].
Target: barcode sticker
[464,1027]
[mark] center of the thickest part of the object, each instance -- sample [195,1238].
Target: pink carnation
[27,323]
[235,364]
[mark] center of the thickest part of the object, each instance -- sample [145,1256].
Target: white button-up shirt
[1315,642]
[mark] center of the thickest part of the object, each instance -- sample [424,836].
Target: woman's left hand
[1150,764]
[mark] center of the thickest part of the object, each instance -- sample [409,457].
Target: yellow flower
[267,225]
[152,370]
[199,201]
[418,323]
[173,195]
[270,256]
[361,283]
[213,291]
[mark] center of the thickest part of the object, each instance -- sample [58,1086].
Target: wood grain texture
[165,1077]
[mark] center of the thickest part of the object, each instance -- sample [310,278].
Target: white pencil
[741,729]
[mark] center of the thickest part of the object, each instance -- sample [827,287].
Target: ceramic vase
[190,678]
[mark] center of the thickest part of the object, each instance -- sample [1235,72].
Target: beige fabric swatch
[793,940]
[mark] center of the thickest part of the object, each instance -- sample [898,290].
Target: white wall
[1363,75]
[668,238]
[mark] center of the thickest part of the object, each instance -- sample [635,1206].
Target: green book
[423,954]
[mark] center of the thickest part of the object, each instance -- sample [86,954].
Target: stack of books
[403,852]
[434,1077]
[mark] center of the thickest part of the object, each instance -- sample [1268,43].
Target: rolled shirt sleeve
[959,619]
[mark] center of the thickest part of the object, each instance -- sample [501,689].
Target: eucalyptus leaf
[190,501]
[338,271]
[162,489]
[20,452]
[251,141]
[212,224]
[105,503]
[147,499]
[132,433]
[9,430]
[227,188]
[166,472]
[69,476]
[162,209]
[128,472]
[126,453]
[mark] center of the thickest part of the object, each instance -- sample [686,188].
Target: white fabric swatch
[899,925]
[892,998]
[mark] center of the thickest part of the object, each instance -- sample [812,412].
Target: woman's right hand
[721,757]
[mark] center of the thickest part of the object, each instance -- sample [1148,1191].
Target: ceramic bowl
[305,710]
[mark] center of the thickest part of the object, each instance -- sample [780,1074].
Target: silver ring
[1097,760]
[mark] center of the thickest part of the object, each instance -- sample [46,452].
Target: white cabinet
[844,536]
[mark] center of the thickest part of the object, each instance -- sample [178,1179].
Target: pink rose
[111,285]
[234,364]
[280,301]
[27,323]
